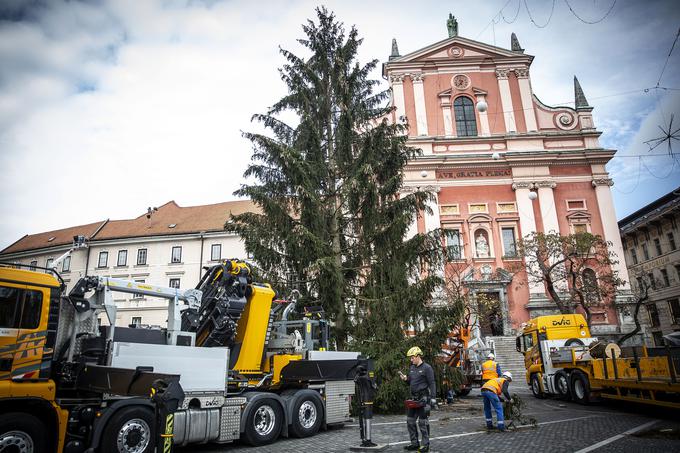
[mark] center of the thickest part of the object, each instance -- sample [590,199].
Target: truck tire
[22,433]
[130,430]
[307,416]
[264,422]
[562,385]
[536,386]
[580,387]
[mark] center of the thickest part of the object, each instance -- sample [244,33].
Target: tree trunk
[555,297]
[643,297]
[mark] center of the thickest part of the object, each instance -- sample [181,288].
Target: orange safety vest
[489,370]
[495,385]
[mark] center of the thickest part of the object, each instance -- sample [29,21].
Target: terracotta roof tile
[190,219]
[61,237]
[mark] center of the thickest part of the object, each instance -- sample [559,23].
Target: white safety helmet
[491,356]
[507,375]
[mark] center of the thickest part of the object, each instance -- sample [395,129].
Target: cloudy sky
[109,107]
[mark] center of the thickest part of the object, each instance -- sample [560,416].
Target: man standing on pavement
[490,369]
[493,391]
[423,391]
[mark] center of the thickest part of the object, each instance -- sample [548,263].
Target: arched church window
[466,123]
[590,284]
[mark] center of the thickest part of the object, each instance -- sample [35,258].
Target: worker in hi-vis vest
[493,392]
[490,369]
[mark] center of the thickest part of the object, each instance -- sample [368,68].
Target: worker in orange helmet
[493,392]
[423,392]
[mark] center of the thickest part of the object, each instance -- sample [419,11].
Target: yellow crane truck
[562,359]
[68,384]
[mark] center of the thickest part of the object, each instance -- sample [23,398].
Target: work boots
[412,447]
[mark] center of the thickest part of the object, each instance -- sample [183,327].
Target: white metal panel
[332,355]
[200,369]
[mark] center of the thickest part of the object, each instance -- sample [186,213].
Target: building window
[174,283]
[33,264]
[509,242]
[657,245]
[216,252]
[674,308]
[646,232]
[664,276]
[136,321]
[451,209]
[49,263]
[141,257]
[673,224]
[671,241]
[176,254]
[576,205]
[658,338]
[454,247]
[653,315]
[652,281]
[122,258]
[633,255]
[580,228]
[635,241]
[677,271]
[639,283]
[466,123]
[645,251]
[66,264]
[590,284]
[137,295]
[103,259]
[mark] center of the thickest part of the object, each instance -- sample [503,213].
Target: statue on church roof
[452,25]
[395,49]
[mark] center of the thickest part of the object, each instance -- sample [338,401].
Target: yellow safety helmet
[414,351]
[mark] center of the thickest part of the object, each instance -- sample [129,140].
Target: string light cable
[519,7]
[552,10]
[587,21]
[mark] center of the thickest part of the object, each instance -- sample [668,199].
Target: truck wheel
[580,387]
[536,386]
[130,430]
[22,433]
[307,416]
[562,384]
[264,422]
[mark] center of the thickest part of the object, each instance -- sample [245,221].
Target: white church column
[446,116]
[548,209]
[484,129]
[506,99]
[527,102]
[419,98]
[527,221]
[432,221]
[605,205]
[398,96]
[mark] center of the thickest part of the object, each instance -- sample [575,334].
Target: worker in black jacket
[423,391]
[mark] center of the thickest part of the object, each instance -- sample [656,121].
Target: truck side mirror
[518,344]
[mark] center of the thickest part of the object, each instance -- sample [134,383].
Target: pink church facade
[502,165]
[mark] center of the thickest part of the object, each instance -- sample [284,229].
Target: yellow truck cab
[561,358]
[29,304]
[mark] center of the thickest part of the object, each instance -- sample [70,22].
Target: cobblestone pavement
[561,427]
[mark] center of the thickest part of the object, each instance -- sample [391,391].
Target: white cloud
[106,110]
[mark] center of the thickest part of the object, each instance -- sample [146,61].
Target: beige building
[651,240]
[167,246]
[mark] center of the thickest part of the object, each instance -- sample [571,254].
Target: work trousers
[492,400]
[419,415]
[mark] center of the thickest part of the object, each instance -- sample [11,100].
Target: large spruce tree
[332,222]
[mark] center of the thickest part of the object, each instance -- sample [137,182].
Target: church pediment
[459,48]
